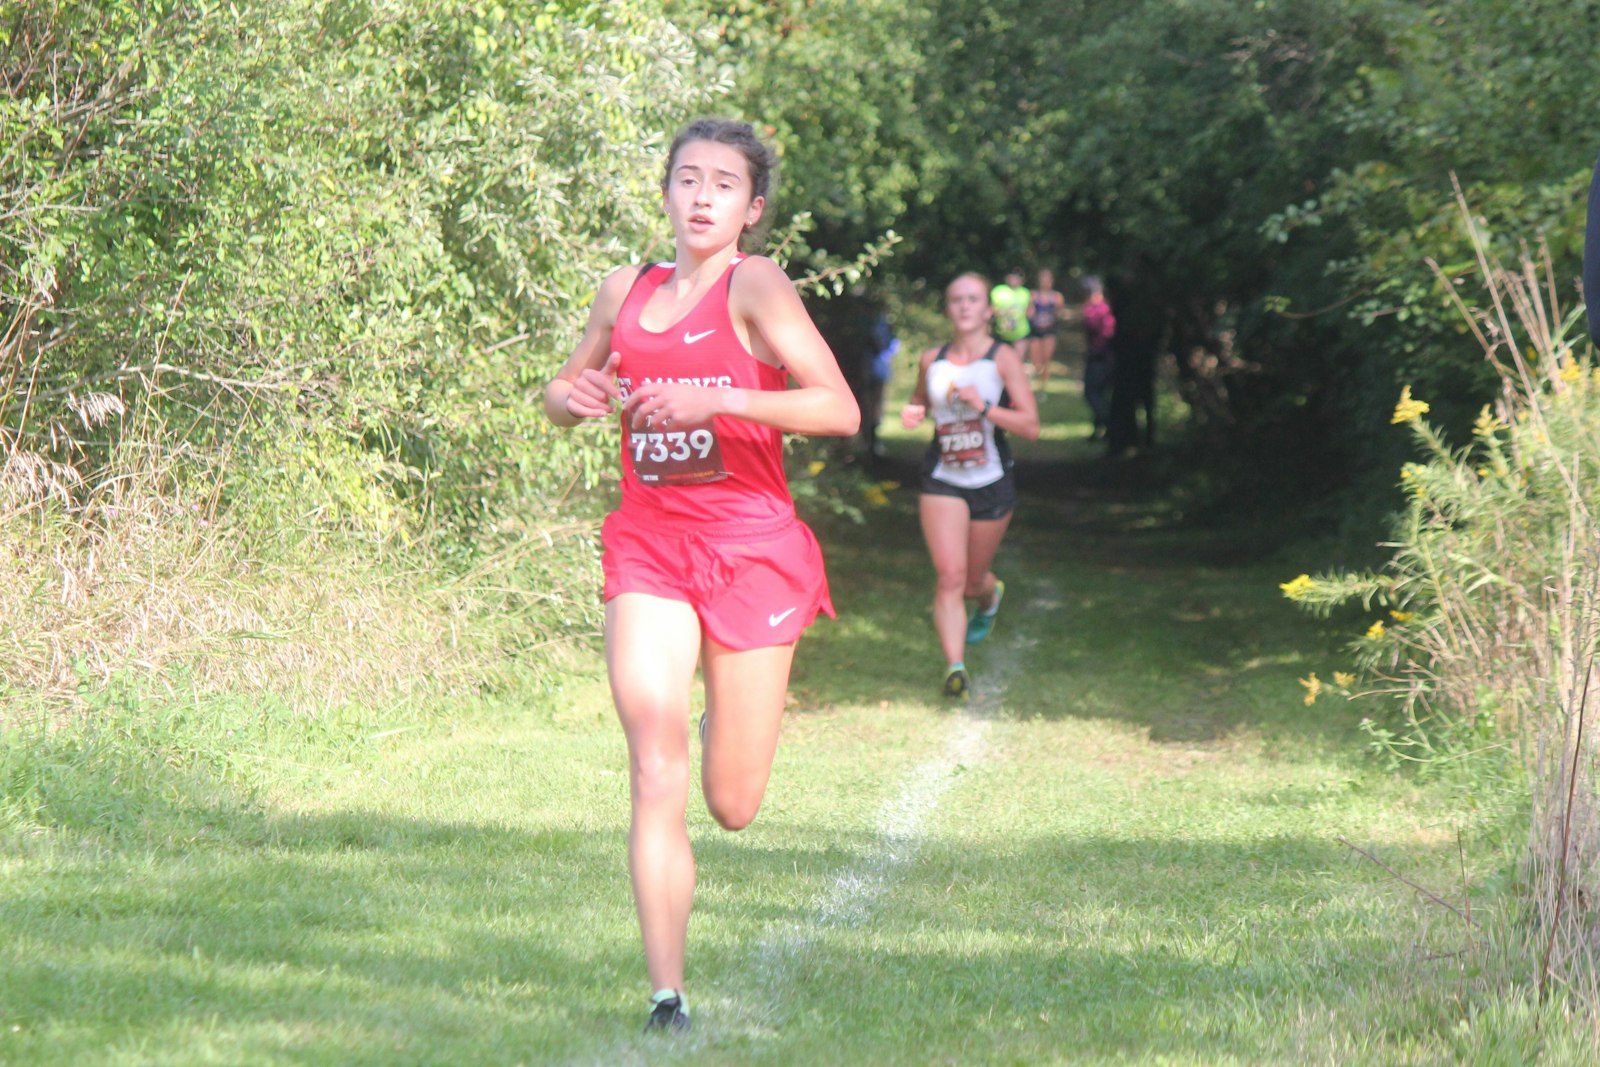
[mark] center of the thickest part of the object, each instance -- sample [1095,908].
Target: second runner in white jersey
[975,393]
[968,454]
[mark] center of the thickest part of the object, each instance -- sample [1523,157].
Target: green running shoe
[956,684]
[982,622]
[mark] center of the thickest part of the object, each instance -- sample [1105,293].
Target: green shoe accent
[956,685]
[667,1014]
[982,622]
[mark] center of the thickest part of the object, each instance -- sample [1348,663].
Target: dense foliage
[1264,184]
[345,242]
[1488,613]
[300,267]
[280,283]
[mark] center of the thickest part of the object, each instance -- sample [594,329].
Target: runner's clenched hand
[594,390]
[657,404]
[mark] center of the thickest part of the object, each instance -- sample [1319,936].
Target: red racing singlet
[725,471]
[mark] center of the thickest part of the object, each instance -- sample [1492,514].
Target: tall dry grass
[133,566]
[1488,615]
[1527,626]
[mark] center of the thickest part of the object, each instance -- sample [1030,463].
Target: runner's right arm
[585,387]
[916,408]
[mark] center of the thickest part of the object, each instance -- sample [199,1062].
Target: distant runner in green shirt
[1010,301]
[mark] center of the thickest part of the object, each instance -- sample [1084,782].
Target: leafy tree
[833,82]
[1266,183]
[347,238]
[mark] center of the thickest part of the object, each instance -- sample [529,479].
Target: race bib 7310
[961,442]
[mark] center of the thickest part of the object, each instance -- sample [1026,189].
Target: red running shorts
[751,587]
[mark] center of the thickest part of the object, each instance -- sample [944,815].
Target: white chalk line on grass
[902,825]
[756,1003]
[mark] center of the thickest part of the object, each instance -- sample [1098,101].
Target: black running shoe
[956,685]
[667,1015]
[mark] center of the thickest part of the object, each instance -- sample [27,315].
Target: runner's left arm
[1021,415]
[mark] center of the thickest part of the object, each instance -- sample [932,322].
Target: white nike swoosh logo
[773,620]
[691,338]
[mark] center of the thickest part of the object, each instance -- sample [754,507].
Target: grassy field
[1126,848]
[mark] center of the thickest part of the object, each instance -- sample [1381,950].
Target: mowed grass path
[1125,849]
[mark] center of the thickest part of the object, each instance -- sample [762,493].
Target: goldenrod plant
[1483,625]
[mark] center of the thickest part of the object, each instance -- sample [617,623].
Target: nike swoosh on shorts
[773,620]
[691,338]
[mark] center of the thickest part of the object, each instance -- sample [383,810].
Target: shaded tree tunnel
[1263,189]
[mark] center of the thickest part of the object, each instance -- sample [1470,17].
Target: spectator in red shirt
[1099,326]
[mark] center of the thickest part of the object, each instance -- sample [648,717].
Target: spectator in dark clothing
[856,326]
[1141,336]
[885,347]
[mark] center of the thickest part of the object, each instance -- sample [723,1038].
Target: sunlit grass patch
[1131,849]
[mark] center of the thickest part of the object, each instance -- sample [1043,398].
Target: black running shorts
[986,503]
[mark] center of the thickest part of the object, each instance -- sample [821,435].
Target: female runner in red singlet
[705,561]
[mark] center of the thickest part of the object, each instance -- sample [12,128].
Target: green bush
[280,283]
[360,231]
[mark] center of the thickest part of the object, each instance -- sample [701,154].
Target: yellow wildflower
[1408,410]
[1313,688]
[1375,631]
[1487,424]
[888,487]
[1571,372]
[816,467]
[876,496]
[1402,616]
[1299,588]
[1343,680]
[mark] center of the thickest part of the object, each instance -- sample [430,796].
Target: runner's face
[966,302]
[708,195]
